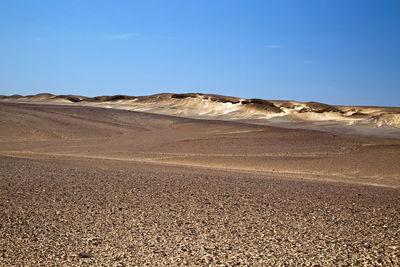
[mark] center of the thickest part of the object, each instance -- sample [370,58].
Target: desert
[199,133]
[198,180]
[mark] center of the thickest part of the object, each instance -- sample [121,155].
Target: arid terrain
[360,120]
[108,182]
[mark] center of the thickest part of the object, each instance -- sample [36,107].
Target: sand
[93,186]
[360,120]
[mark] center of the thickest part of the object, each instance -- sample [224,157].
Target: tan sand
[93,186]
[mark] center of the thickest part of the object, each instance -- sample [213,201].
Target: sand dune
[378,121]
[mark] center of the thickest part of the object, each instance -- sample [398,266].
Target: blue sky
[337,52]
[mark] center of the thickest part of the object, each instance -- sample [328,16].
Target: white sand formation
[209,106]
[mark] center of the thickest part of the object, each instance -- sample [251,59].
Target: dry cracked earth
[84,186]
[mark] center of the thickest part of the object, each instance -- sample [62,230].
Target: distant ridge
[258,111]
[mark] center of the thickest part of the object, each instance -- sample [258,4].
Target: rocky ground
[86,186]
[54,214]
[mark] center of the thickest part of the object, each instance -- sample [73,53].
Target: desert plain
[92,185]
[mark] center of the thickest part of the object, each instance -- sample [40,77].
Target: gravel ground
[54,215]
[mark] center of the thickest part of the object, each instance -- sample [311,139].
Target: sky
[343,52]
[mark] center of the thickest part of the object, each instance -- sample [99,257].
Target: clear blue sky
[338,51]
